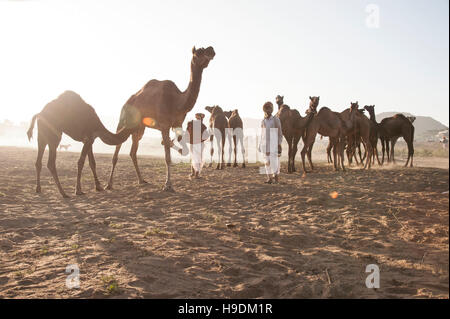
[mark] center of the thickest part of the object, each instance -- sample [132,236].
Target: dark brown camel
[326,123]
[71,115]
[394,127]
[293,126]
[237,132]
[218,123]
[161,105]
[393,141]
[362,127]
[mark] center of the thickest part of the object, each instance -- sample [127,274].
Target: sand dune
[228,235]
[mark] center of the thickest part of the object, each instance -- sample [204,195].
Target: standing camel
[363,128]
[293,126]
[161,105]
[327,123]
[394,127]
[394,139]
[71,115]
[237,129]
[219,124]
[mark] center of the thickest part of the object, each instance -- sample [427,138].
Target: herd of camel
[161,105]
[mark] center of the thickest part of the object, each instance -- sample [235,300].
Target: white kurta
[271,137]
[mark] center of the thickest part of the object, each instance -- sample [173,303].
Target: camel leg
[230,150]
[335,161]
[51,164]
[388,151]
[410,154]
[241,141]
[114,163]
[294,152]
[235,151]
[222,166]
[211,152]
[340,146]
[393,142]
[376,154]
[219,152]
[329,147]
[134,147]
[81,161]
[93,167]
[289,140]
[166,141]
[41,148]
[361,158]
[310,156]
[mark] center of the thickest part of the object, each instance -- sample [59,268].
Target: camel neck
[372,117]
[193,88]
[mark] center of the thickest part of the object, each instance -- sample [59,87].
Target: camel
[64,146]
[219,124]
[393,141]
[71,115]
[237,128]
[293,126]
[326,123]
[364,129]
[364,132]
[392,128]
[162,106]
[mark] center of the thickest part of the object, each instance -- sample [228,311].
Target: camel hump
[324,109]
[401,116]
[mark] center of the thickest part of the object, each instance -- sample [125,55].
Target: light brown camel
[71,115]
[293,126]
[326,123]
[161,105]
[219,124]
[237,132]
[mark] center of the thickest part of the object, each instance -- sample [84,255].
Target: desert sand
[228,235]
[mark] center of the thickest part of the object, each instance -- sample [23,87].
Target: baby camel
[71,115]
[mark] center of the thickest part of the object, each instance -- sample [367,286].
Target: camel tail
[30,129]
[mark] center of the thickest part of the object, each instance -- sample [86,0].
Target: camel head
[313,104]
[354,110]
[209,108]
[279,100]
[228,114]
[201,57]
[370,109]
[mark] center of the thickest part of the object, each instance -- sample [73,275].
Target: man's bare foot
[269,181]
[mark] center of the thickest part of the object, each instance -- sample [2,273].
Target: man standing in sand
[270,143]
[197,135]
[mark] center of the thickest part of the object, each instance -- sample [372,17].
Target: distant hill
[426,127]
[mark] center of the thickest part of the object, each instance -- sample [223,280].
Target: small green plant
[44,250]
[111,284]
[155,231]
[115,225]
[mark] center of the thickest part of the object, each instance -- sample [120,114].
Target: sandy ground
[228,235]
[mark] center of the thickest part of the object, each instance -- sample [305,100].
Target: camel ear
[310,98]
[193,49]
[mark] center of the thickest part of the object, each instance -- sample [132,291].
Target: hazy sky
[107,50]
